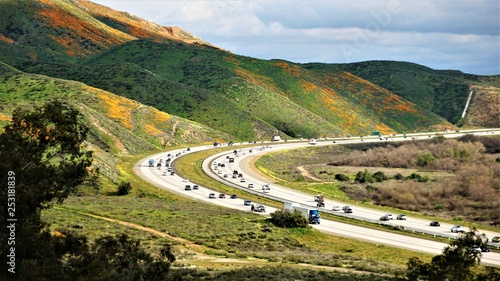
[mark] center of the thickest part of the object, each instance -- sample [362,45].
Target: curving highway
[212,167]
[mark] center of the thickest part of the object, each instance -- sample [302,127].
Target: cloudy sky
[441,34]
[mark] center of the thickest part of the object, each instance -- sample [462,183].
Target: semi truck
[311,214]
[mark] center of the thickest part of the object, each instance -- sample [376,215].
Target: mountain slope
[444,92]
[247,98]
[118,125]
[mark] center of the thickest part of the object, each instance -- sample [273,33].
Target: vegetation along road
[174,182]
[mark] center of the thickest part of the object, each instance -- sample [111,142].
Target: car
[242,180]
[435,223]
[266,186]
[384,218]
[348,211]
[219,172]
[336,208]
[222,195]
[247,202]
[401,217]
[484,248]
[185,180]
[345,208]
[196,187]
[172,173]
[250,185]
[216,168]
[223,165]
[234,196]
[457,229]
[164,174]
[187,187]
[226,175]
[211,196]
[259,208]
[389,216]
[495,239]
[235,176]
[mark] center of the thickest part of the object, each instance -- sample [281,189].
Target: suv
[187,187]
[348,210]
[457,229]
[211,196]
[336,208]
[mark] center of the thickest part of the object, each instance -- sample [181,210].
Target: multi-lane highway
[163,179]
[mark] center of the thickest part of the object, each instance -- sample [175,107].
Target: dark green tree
[288,219]
[454,264]
[43,153]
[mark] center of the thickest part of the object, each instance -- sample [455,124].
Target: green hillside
[177,73]
[444,92]
[118,125]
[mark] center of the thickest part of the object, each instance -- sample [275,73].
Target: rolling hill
[117,124]
[242,98]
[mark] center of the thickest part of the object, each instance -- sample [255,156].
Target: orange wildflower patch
[152,130]
[329,102]
[384,129]
[310,87]
[82,25]
[5,118]
[118,108]
[289,68]
[256,79]
[6,39]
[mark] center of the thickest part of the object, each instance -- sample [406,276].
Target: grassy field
[216,231]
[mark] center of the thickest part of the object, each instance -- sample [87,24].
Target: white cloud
[436,33]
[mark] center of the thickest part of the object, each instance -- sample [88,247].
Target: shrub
[341,177]
[364,176]
[414,176]
[288,219]
[380,176]
[124,188]
[398,176]
[425,159]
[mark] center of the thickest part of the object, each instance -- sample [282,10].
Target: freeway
[176,183]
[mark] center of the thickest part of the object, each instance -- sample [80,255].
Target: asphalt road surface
[175,183]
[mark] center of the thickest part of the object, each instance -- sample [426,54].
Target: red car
[222,195]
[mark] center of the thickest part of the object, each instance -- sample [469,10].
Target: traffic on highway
[233,168]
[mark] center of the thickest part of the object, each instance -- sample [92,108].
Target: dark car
[234,196]
[348,211]
[187,187]
[196,187]
[384,218]
[435,223]
[484,248]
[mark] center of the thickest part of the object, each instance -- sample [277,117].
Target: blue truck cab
[314,217]
[151,162]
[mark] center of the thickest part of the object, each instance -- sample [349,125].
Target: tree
[288,219]
[44,156]
[455,263]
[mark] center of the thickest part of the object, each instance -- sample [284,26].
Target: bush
[341,177]
[363,177]
[124,188]
[398,176]
[380,176]
[288,219]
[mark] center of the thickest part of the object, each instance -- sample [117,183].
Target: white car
[336,208]
[242,180]
[458,228]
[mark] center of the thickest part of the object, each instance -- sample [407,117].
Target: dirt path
[306,174]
